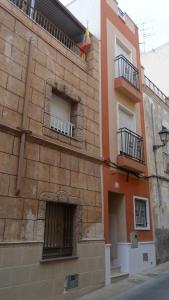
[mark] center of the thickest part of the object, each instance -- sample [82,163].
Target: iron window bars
[59,230]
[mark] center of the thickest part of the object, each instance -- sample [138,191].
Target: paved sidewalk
[119,288]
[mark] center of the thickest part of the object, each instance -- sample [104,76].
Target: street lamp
[164,137]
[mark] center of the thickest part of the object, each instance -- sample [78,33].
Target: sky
[155,16]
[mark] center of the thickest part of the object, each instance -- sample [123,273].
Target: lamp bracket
[155,147]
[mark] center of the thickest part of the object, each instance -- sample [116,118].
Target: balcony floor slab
[123,86]
[130,164]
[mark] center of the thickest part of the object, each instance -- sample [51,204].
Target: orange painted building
[129,243]
[127,209]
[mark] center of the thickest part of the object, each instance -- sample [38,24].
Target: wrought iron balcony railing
[124,68]
[131,144]
[41,20]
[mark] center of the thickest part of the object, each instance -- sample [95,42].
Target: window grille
[59,230]
[61,126]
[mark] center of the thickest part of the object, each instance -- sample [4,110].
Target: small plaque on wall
[134,239]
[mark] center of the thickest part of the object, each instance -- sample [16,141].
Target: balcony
[56,19]
[131,151]
[127,79]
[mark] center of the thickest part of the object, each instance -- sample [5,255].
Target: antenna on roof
[144,34]
[71,2]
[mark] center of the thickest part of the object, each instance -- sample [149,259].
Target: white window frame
[147,213]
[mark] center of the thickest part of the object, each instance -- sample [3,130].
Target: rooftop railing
[121,13]
[131,144]
[40,19]
[124,68]
[155,89]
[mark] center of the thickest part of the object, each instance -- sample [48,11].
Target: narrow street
[156,289]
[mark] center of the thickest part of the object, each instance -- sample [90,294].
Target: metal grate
[40,19]
[61,126]
[59,223]
[131,144]
[124,68]
[71,281]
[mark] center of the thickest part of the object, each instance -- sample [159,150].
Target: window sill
[142,228]
[61,137]
[62,134]
[48,260]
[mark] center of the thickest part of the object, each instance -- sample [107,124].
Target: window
[59,230]
[121,49]
[141,213]
[63,113]
[126,118]
[60,115]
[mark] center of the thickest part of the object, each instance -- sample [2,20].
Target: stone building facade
[157,116]
[43,169]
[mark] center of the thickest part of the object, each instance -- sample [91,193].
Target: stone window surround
[77,114]
[64,197]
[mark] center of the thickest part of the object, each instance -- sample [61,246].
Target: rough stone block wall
[53,163]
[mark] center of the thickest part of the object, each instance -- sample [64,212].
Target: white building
[156,110]
[156,64]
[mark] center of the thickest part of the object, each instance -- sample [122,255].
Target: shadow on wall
[162,245]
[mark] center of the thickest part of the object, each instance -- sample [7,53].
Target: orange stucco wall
[130,186]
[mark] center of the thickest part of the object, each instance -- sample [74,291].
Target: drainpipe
[24,127]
